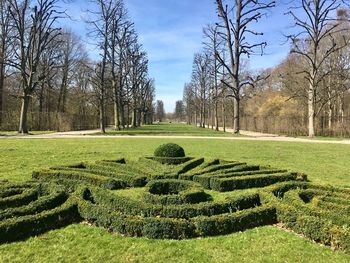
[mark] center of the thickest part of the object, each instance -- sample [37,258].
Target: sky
[171,31]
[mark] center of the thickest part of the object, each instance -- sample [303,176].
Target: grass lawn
[15,133]
[324,163]
[169,129]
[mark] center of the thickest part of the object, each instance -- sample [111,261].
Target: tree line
[49,81]
[307,93]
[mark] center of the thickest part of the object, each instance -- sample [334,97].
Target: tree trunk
[122,115]
[116,115]
[311,111]
[330,115]
[236,124]
[134,118]
[23,122]
[102,117]
[2,83]
[216,117]
[224,116]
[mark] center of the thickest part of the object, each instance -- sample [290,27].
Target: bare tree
[179,110]
[101,29]
[34,32]
[70,53]
[236,32]
[202,81]
[211,33]
[160,112]
[317,26]
[5,28]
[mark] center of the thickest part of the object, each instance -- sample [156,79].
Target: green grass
[15,133]
[169,129]
[324,163]
[81,243]
[323,138]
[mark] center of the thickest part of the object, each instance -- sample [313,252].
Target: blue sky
[171,32]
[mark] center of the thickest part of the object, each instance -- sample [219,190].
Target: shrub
[171,160]
[232,183]
[25,217]
[168,192]
[170,150]
[228,223]
[98,180]
[25,226]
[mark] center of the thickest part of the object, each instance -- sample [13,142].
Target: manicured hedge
[239,182]
[24,197]
[167,192]
[169,150]
[151,227]
[25,226]
[240,170]
[133,207]
[160,227]
[171,160]
[98,180]
[130,176]
[297,210]
[218,167]
[50,209]
[190,165]
[242,220]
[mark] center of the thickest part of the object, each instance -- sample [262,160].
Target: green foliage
[171,160]
[169,191]
[169,150]
[47,208]
[73,243]
[298,207]
[98,180]
[171,222]
[245,182]
[228,223]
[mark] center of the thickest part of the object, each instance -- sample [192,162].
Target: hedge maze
[29,209]
[171,196]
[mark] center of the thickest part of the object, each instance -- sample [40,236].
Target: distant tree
[201,82]
[160,112]
[179,110]
[212,45]
[100,24]
[317,27]
[236,21]
[34,31]
[189,102]
[71,51]
[5,45]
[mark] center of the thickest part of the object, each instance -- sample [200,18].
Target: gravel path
[250,136]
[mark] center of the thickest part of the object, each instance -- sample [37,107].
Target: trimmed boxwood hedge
[171,160]
[252,181]
[108,215]
[134,207]
[174,205]
[50,209]
[169,150]
[296,210]
[98,180]
[242,220]
[167,192]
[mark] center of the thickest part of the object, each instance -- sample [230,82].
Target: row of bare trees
[46,69]
[314,78]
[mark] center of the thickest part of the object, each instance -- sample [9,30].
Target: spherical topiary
[169,150]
